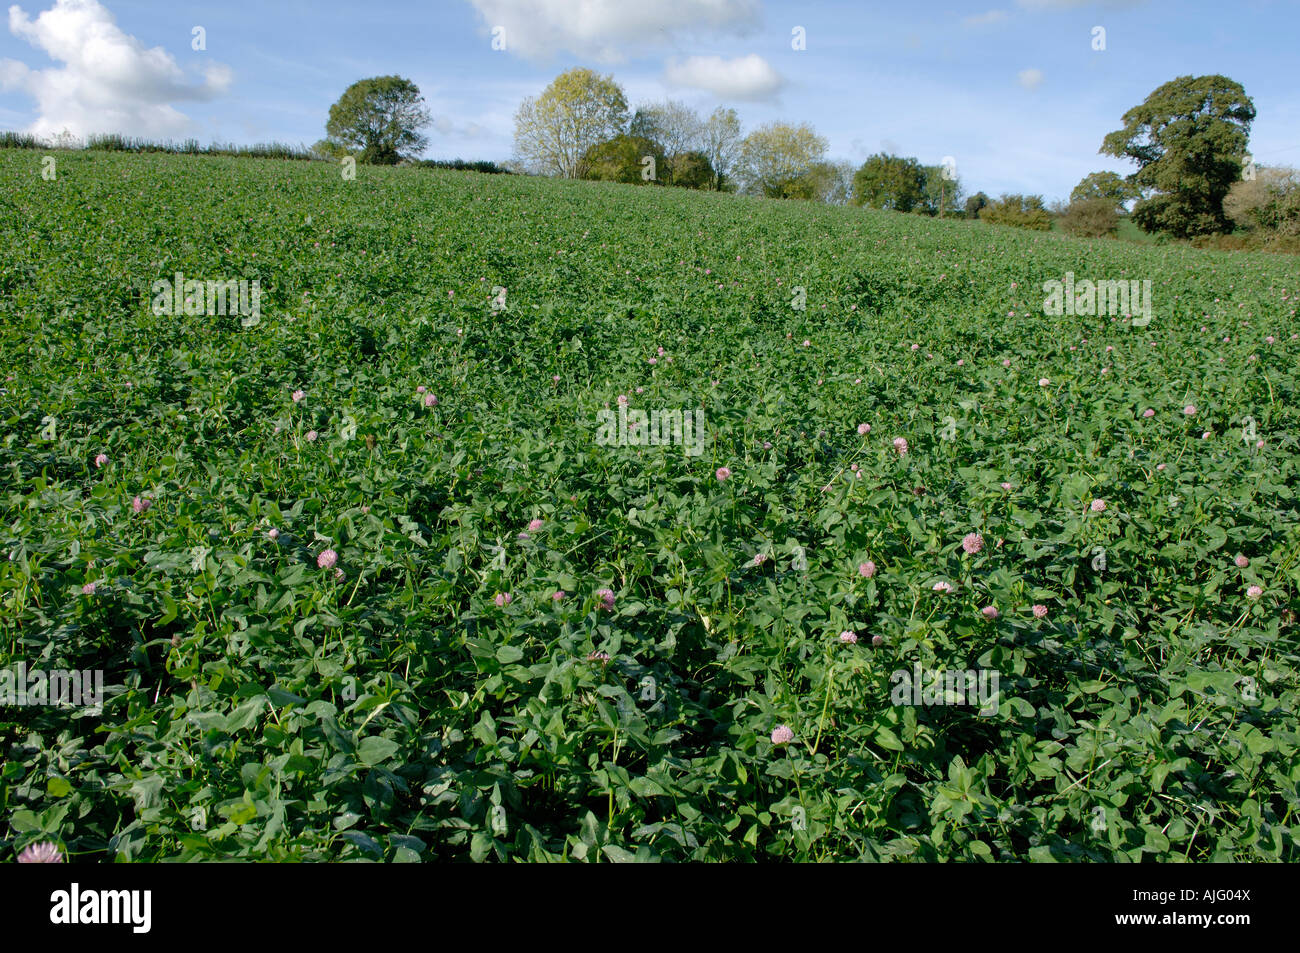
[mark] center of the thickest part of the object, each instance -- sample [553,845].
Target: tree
[691,170]
[1022,211]
[580,109]
[827,182]
[622,159]
[1270,201]
[379,119]
[774,156]
[1188,139]
[940,194]
[674,125]
[720,143]
[889,182]
[1105,185]
[1090,217]
[975,203]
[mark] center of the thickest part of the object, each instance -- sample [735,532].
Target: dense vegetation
[420,397]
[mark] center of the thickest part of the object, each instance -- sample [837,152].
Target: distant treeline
[464,165]
[263,150]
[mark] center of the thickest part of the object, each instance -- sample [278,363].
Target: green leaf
[375,750]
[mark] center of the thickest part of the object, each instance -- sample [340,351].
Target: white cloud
[109,82]
[984,19]
[607,30]
[744,77]
[1030,78]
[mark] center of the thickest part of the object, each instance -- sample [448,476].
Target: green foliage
[1105,185]
[259,707]
[379,120]
[622,159]
[941,193]
[1188,138]
[1269,201]
[889,182]
[778,160]
[579,110]
[975,204]
[1091,218]
[691,170]
[1022,211]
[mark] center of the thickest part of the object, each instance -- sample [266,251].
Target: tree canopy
[1105,185]
[776,155]
[889,182]
[578,110]
[1188,138]
[379,119]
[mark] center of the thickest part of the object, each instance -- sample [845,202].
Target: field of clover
[364,584]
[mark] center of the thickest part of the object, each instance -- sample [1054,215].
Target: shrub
[1090,218]
[1022,211]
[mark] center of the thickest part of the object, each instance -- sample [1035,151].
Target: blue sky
[1011,89]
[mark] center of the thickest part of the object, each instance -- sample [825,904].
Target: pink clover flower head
[298,395]
[89,589]
[1254,592]
[900,445]
[141,505]
[942,587]
[782,735]
[1098,506]
[1040,611]
[606,598]
[867,569]
[534,525]
[877,639]
[723,473]
[503,599]
[1189,410]
[101,459]
[273,534]
[311,436]
[972,543]
[558,595]
[849,638]
[42,853]
[989,612]
[430,400]
[864,429]
[1241,561]
[1043,381]
[327,559]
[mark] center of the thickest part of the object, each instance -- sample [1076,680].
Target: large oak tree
[1188,139]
